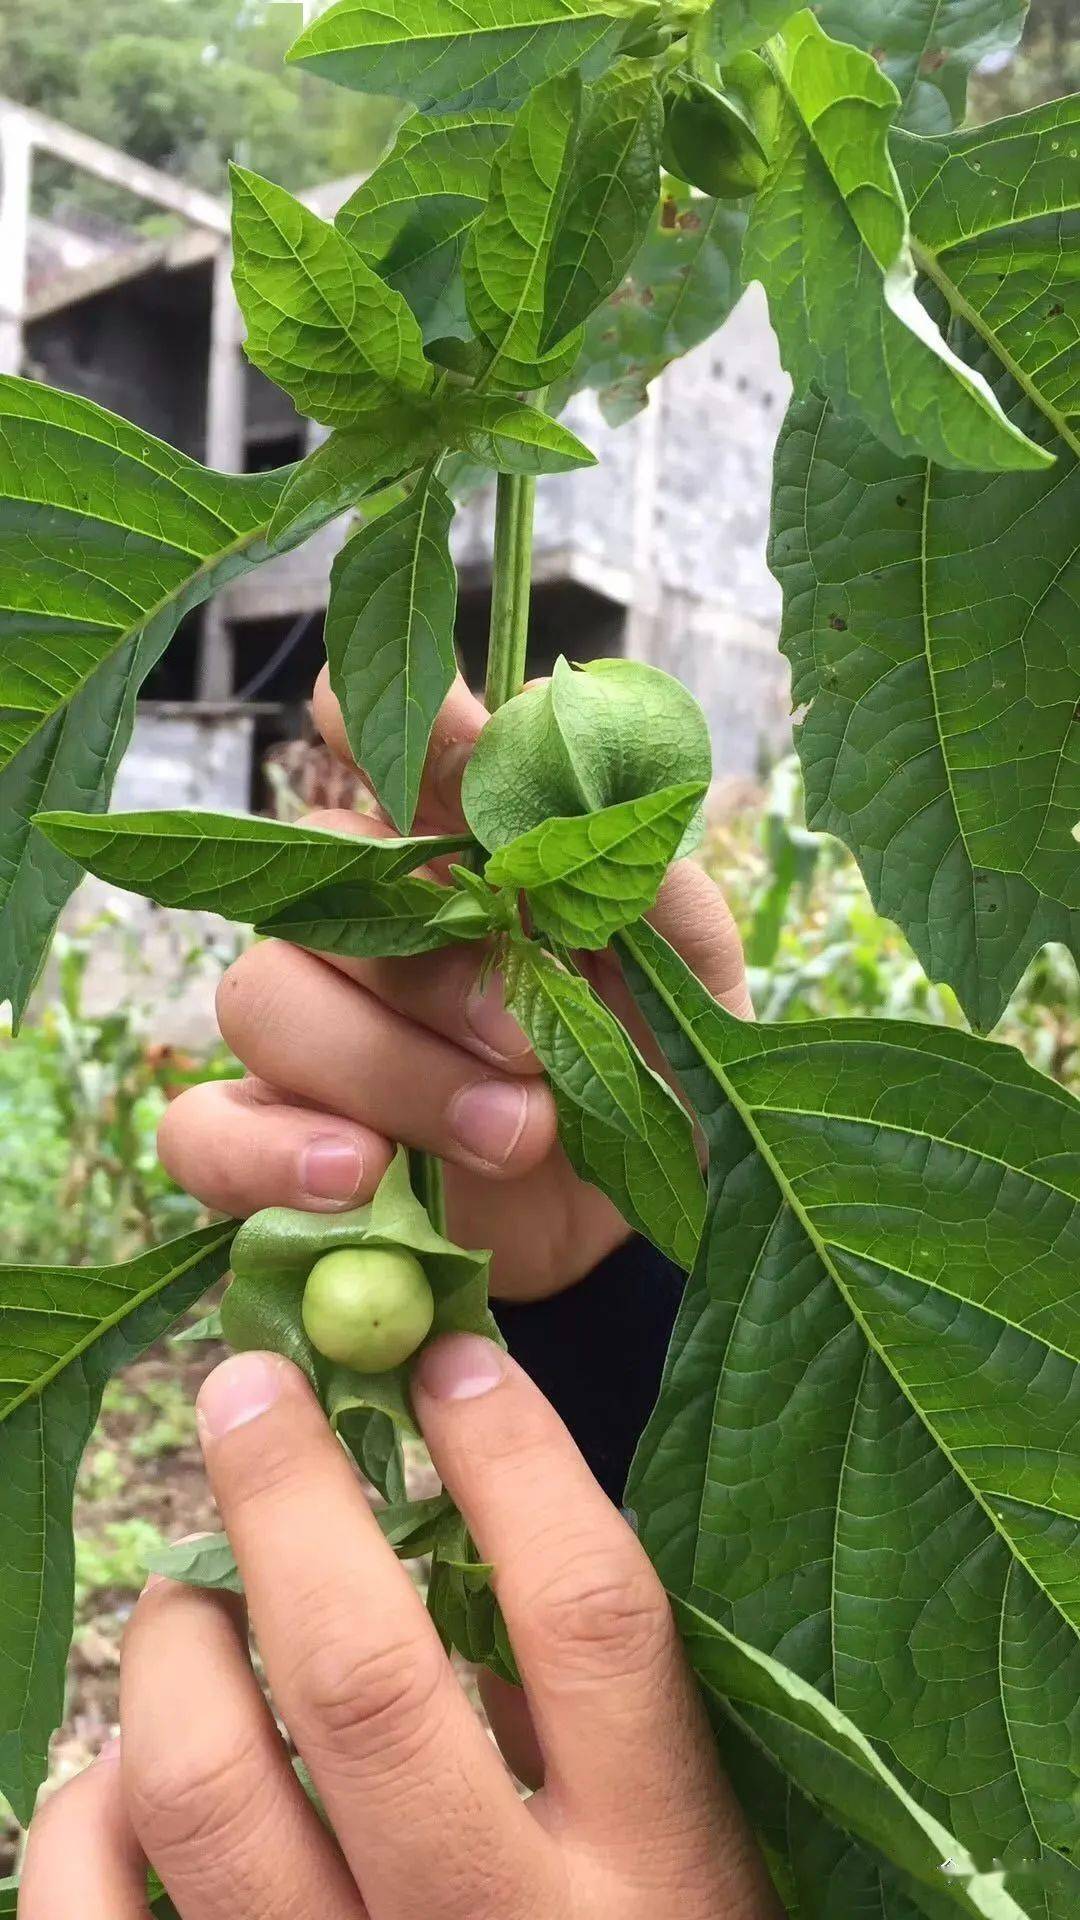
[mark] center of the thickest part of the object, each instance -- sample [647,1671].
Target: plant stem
[511,577]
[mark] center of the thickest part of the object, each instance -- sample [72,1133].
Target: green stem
[511,579]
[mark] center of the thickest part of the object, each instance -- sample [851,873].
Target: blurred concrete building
[658,554]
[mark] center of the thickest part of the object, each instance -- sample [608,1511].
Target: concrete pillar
[16,166]
[225,451]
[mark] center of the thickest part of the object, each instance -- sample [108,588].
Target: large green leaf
[504,433]
[411,218]
[63,1331]
[509,250]
[441,54]
[589,874]
[681,287]
[620,1124]
[610,197]
[832,1761]
[233,864]
[828,237]
[354,462]
[931,623]
[390,640]
[927,47]
[590,737]
[107,538]
[864,1459]
[731,26]
[391,918]
[320,322]
[994,215]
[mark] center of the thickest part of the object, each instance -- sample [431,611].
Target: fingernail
[489,1118]
[239,1391]
[460,1366]
[446,775]
[110,1751]
[485,1011]
[331,1168]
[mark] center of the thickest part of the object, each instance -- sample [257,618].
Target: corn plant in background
[861,1483]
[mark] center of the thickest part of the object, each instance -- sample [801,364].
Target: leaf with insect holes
[610,197]
[320,322]
[864,1457]
[622,1127]
[107,539]
[63,1332]
[444,55]
[681,286]
[590,874]
[939,740]
[927,48]
[993,218]
[411,217]
[828,237]
[245,868]
[390,640]
[590,737]
[509,252]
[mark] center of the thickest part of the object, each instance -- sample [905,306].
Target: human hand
[347,1058]
[634,1820]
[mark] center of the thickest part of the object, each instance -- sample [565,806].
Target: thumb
[693,916]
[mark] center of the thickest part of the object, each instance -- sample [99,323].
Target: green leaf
[411,218]
[621,1126]
[590,874]
[730,27]
[828,237]
[233,864]
[939,738]
[63,1332]
[609,731]
[864,1455]
[509,251]
[207,1562]
[367,922]
[504,433]
[107,539]
[390,640]
[927,47]
[993,215]
[443,56]
[320,322]
[275,1251]
[354,463]
[830,1759]
[610,197]
[681,287]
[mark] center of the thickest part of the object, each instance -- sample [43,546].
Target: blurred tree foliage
[185,85]
[1045,66]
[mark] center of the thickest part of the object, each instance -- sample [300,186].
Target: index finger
[615,1709]
[453,737]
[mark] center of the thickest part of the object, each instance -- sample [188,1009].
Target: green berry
[368,1307]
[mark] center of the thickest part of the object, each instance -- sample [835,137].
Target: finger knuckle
[362,1699]
[181,1794]
[604,1611]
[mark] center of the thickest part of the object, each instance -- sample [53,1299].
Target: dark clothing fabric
[597,1352]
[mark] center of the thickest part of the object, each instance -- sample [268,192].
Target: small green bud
[368,1307]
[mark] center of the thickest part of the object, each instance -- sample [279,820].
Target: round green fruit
[368,1307]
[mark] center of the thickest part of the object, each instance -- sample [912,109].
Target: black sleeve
[597,1351]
